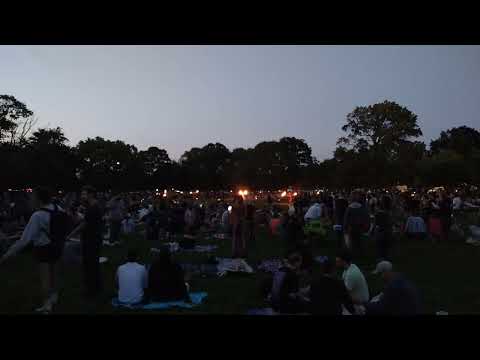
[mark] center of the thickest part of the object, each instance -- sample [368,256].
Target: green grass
[445,273]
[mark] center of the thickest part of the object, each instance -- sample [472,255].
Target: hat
[382,267]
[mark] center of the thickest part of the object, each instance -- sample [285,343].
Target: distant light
[164,191]
[191,192]
[197,191]
[156,190]
[245,192]
[118,162]
[164,195]
[284,194]
[230,208]
[295,194]
[240,192]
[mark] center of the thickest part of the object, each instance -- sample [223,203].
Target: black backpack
[59,226]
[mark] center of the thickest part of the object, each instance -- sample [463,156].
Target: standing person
[91,240]
[356,222]
[116,211]
[400,297]
[248,234]
[445,214]
[354,280]
[236,219]
[314,212]
[47,230]
[340,206]
[383,228]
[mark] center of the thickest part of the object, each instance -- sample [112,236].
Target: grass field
[445,273]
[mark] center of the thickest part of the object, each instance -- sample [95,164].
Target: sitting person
[166,279]
[131,280]
[415,227]
[328,295]
[285,294]
[354,280]
[399,297]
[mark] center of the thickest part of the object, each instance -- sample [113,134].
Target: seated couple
[163,282]
[326,294]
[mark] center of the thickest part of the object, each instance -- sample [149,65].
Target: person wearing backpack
[47,230]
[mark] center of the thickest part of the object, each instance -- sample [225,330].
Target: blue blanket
[196,297]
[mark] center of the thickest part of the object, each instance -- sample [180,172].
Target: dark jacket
[285,282]
[327,295]
[356,218]
[400,297]
[340,208]
[166,283]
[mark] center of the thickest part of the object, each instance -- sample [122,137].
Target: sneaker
[46,308]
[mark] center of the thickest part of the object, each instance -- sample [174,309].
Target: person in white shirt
[37,232]
[131,280]
[354,280]
[314,212]
[415,227]
[457,202]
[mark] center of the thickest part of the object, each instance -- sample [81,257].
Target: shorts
[48,254]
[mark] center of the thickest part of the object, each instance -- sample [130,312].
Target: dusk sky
[179,97]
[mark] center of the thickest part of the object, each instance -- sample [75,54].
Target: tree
[13,113]
[46,137]
[52,161]
[108,164]
[379,132]
[157,167]
[380,127]
[463,140]
[207,166]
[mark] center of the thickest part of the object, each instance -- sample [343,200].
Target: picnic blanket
[175,247]
[196,297]
[270,265]
[262,311]
[226,265]
[221,236]
[321,259]
[204,269]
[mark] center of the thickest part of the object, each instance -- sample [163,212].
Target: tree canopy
[380,147]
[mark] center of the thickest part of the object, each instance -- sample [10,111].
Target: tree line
[380,147]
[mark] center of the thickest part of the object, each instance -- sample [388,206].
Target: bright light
[240,192]
[245,192]
[284,194]
[118,162]
[197,191]
[295,194]
[164,195]
[156,190]
[230,208]
[191,193]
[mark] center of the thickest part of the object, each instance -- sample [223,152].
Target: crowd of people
[47,220]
